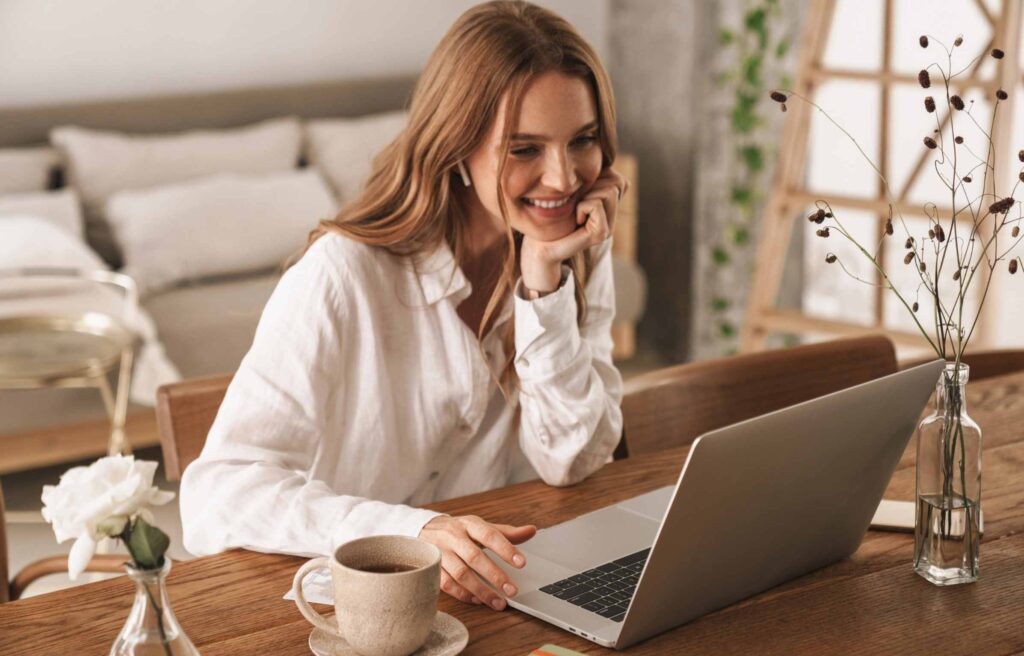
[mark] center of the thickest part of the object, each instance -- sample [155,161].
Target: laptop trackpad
[595,538]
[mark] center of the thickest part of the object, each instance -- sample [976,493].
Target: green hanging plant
[755,45]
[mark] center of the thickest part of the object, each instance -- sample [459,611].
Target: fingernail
[509,589]
[518,560]
[498,604]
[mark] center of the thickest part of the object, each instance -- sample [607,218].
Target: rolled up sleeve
[570,392]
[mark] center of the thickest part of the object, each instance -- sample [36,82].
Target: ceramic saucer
[448,636]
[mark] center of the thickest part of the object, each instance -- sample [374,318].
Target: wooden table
[871,603]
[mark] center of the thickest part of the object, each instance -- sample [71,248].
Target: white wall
[836,166]
[56,50]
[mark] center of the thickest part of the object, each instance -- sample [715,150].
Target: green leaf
[719,255]
[781,48]
[726,329]
[751,66]
[147,545]
[744,121]
[755,22]
[720,304]
[753,157]
[725,37]
[740,235]
[741,195]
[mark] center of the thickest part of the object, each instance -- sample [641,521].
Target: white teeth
[547,204]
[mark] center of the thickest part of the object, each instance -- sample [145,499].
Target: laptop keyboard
[605,589]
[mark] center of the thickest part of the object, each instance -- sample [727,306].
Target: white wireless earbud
[465,175]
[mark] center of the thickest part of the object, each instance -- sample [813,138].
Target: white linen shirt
[364,394]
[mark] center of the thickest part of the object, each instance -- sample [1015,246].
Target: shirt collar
[439,276]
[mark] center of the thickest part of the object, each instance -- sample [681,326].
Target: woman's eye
[530,151]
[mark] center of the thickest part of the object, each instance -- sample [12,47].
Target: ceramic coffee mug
[385,593]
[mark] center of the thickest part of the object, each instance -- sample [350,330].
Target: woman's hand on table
[464,563]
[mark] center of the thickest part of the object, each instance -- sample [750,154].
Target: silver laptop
[757,503]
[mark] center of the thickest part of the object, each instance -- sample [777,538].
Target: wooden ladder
[789,197]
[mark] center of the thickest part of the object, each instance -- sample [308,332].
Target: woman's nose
[559,171]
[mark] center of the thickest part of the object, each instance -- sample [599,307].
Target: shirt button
[434,475]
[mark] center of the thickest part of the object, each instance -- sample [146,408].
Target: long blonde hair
[410,201]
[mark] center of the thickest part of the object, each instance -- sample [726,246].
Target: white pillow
[99,164]
[26,169]
[59,208]
[343,148]
[219,225]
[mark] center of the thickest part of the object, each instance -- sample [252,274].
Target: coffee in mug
[385,593]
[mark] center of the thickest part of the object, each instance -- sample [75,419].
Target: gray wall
[654,59]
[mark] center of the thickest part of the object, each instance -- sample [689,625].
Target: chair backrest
[5,577]
[184,412]
[673,406]
[987,364]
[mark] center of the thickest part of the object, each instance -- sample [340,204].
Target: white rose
[99,500]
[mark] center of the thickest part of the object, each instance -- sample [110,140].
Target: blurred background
[691,80]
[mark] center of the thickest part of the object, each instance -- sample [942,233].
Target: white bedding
[27,241]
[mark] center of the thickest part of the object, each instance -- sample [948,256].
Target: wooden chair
[986,364]
[673,406]
[11,590]
[184,413]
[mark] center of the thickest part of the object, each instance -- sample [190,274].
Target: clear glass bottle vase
[151,628]
[948,523]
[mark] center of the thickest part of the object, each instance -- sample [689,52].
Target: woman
[448,332]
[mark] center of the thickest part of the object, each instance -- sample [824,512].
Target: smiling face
[554,158]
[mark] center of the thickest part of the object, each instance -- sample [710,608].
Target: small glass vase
[151,628]
[947,526]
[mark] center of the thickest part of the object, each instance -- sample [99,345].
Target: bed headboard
[30,125]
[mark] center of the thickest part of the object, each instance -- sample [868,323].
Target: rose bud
[1000,94]
[1013,266]
[959,139]
[956,275]
[778,96]
[1015,232]
[914,306]
[888,226]
[924,79]
[940,234]
[929,104]
[957,102]
[997,53]
[959,41]
[830,258]
[822,232]
[923,267]
[910,243]
[909,257]
[923,41]
[928,141]
[968,178]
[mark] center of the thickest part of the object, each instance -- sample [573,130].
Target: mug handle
[313,617]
